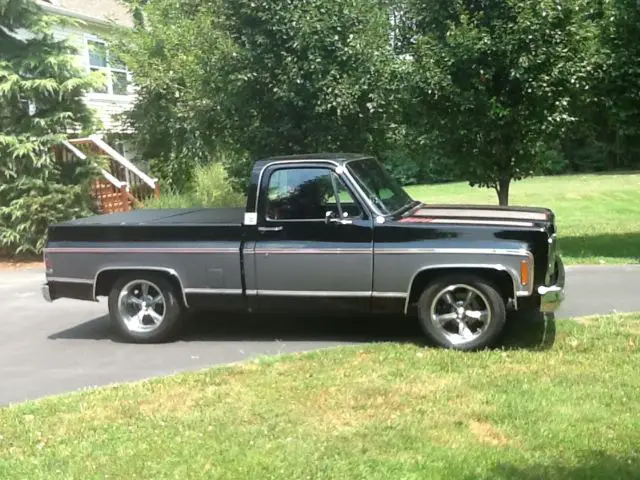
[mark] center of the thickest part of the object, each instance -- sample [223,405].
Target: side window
[346,206]
[306,194]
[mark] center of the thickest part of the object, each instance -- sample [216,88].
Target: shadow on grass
[532,331]
[613,172]
[595,465]
[621,245]
[520,333]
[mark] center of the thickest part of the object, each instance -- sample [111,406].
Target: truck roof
[311,157]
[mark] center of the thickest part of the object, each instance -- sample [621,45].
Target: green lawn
[598,216]
[568,409]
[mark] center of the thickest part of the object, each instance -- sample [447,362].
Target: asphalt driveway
[52,348]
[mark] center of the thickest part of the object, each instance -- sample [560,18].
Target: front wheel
[462,312]
[145,308]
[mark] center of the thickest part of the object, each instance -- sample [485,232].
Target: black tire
[173,309]
[495,305]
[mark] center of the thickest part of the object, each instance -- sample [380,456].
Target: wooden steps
[109,199]
[122,184]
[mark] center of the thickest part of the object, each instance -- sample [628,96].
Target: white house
[123,183]
[94,17]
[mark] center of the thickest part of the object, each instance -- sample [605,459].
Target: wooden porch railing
[122,184]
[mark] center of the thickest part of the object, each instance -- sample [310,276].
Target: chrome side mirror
[330,216]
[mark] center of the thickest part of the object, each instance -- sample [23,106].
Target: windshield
[381,188]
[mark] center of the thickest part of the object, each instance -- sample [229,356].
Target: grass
[570,409]
[598,216]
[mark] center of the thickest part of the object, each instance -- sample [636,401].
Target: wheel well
[500,278]
[106,279]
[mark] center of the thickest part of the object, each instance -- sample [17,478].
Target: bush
[210,187]
[213,187]
[588,155]
[32,200]
[551,161]
[169,198]
[41,102]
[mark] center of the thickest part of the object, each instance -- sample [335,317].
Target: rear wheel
[462,312]
[145,308]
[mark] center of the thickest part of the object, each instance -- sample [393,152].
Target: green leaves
[34,205]
[475,90]
[260,78]
[40,104]
[495,81]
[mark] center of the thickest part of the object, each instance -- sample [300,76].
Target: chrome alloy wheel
[142,306]
[461,313]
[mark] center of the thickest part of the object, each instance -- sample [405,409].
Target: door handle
[270,229]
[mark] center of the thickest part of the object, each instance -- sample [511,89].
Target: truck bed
[173,216]
[202,247]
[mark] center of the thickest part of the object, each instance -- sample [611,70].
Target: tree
[174,53]
[493,80]
[617,109]
[260,78]
[40,103]
[309,76]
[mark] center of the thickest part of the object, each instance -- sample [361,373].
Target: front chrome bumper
[552,296]
[46,293]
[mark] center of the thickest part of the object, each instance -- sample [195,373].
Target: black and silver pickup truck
[325,233]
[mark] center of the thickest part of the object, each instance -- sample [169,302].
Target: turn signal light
[524,272]
[48,267]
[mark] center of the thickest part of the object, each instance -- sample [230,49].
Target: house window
[100,59]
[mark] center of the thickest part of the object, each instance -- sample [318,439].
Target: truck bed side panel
[206,260]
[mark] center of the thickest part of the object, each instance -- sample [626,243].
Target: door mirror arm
[331,217]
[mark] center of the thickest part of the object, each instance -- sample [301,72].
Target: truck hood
[480,215]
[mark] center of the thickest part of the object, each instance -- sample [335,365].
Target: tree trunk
[502,189]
